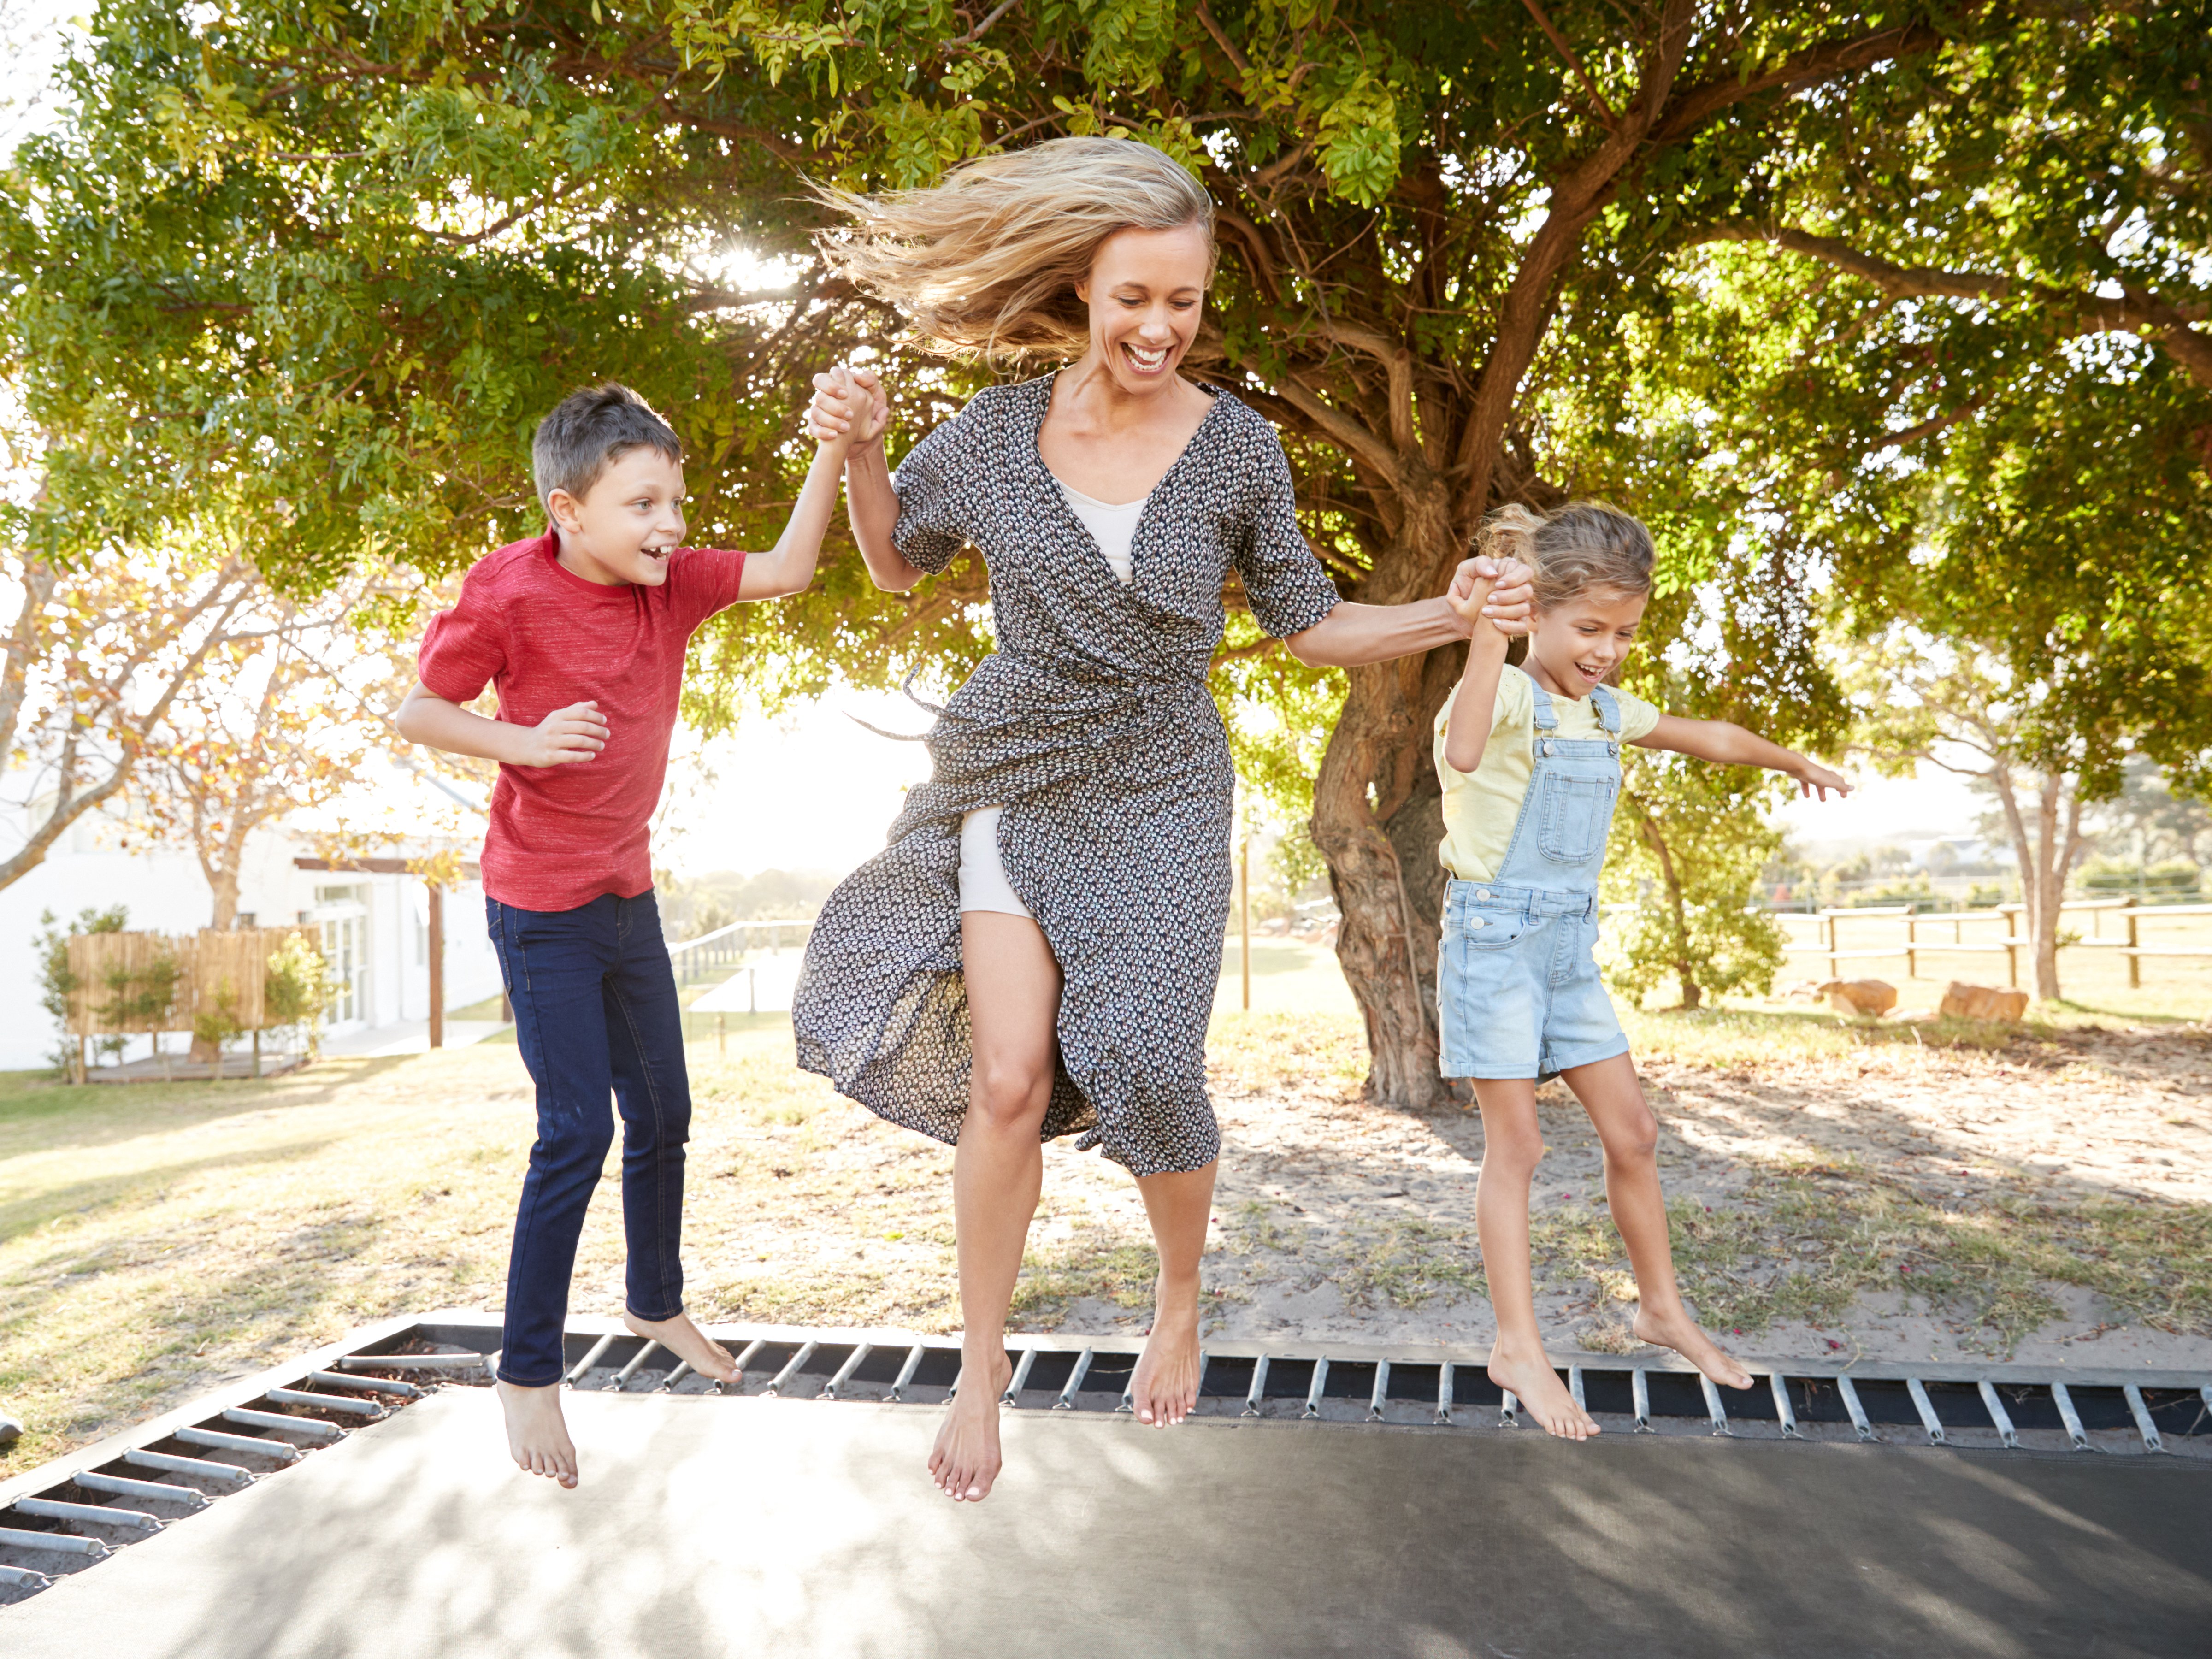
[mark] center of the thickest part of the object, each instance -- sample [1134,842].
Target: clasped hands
[1500,592]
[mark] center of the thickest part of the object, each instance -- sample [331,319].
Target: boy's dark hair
[589,431]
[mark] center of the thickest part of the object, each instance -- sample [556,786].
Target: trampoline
[1345,1501]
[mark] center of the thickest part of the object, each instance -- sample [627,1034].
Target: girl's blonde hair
[986,263]
[1578,548]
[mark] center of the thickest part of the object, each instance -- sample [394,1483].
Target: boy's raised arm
[856,405]
[1731,745]
[563,738]
[788,566]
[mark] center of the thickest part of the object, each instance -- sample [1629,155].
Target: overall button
[1482,892]
[1474,921]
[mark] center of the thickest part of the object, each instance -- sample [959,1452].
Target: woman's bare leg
[1164,1390]
[1512,1146]
[1013,1004]
[1611,1093]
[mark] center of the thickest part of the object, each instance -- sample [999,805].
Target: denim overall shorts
[1518,986]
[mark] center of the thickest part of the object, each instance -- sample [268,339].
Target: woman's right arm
[872,505]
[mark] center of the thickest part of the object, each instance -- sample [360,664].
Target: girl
[1034,952]
[1530,763]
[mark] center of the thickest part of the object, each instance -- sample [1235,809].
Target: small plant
[297,990]
[57,983]
[141,996]
[214,1028]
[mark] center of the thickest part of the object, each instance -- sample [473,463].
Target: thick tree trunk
[2046,857]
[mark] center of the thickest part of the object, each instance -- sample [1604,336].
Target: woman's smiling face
[1146,291]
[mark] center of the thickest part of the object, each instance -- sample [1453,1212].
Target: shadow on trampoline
[715,1527]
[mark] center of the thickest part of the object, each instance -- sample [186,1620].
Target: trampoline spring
[2070,1416]
[1066,1400]
[792,1367]
[1574,1387]
[743,1360]
[1021,1376]
[97,1514]
[146,1491]
[1198,1391]
[1258,1391]
[1999,1415]
[1444,1392]
[252,1443]
[1850,1392]
[24,1578]
[1639,1390]
[1313,1393]
[1381,1394]
[1926,1407]
[60,1543]
[169,1464]
[906,1372]
[2140,1413]
[596,1353]
[621,1384]
[1509,1410]
[845,1371]
[278,1422]
[1716,1413]
[413,1362]
[682,1369]
[364,1384]
[325,1402]
[1785,1414]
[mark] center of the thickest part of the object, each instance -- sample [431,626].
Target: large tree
[352,251]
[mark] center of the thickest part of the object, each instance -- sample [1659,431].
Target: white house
[374,927]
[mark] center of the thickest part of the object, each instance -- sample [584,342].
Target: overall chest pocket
[1577,814]
[1484,927]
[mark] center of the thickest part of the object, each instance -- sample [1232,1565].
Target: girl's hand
[1813,778]
[849,404]
[1501,591]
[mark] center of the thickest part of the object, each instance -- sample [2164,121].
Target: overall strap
[1608,709]
[1546,720]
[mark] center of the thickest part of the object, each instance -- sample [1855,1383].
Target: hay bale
[1854,997]
[1964,1001]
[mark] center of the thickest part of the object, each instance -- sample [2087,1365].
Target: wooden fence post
[2135,962]
[2012,949]
[437,954]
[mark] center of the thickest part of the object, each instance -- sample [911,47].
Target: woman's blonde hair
[986,263]
[1582,547]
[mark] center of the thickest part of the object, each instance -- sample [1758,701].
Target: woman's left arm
[1731,745]
[1354,634]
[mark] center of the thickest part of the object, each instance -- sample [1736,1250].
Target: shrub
[57,983]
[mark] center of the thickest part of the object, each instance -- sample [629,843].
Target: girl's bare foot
[1164,1390]
[1681,1333]
[1542,1395]
[537,1433]
[965,1462]
[688,1344]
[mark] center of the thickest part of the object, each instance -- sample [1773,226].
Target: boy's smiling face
[625,526]
[1573,648]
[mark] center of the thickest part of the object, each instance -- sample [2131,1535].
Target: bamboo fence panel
[211,967]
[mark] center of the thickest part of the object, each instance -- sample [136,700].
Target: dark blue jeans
[595,1013]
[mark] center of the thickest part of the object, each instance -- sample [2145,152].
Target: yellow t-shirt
[1480,807]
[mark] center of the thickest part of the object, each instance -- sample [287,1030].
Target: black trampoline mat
[789,1527]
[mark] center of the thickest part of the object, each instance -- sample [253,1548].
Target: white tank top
[1112,526]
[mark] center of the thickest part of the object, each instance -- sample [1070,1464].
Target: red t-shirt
[544,638]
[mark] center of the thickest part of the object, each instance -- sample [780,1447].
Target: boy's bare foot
[1164,1390]
[688,1344]
[1542,1395]
[537,1433]
[965,1461]
[1681,1333]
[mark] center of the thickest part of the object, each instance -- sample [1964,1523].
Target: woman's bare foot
[1164,1390]
[688,1344]
[537,1433]
[1681,1333]
[965,1462]
[1530,1378]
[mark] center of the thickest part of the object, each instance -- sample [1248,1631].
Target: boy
[582,630]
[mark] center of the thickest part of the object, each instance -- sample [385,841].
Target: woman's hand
[849,404]
[1501,591]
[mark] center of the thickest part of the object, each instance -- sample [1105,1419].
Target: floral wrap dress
[1091,724]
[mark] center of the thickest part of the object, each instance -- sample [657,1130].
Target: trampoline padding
[715,1527]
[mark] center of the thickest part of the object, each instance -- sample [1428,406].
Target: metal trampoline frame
[70,1514]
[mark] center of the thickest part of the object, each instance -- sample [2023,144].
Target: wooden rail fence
[1827,943]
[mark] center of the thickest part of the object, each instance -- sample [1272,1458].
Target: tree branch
[1559,44]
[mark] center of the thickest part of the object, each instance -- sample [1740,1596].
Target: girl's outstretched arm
[1474,705]
[853,400]
[1731,745]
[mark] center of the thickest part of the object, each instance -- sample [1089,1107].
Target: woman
[1035,953]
